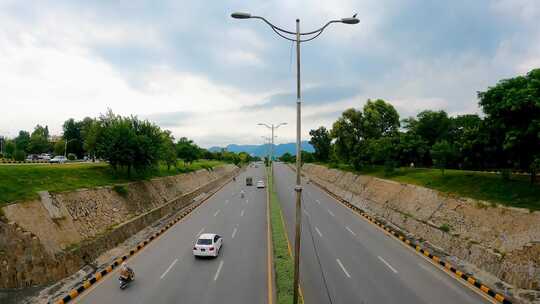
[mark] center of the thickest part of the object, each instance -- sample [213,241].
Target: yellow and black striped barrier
[416,246]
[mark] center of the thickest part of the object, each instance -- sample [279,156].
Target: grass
[283,261]
[22,182]
[516,192]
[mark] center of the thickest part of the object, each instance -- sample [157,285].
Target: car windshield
[204,242]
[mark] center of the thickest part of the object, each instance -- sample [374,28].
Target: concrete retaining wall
[502,241]
[92,222]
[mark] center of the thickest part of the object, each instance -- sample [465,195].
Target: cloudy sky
[189,67]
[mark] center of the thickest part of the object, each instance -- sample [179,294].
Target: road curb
[98,276]
[470,280]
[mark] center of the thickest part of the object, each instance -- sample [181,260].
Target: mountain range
[262,150]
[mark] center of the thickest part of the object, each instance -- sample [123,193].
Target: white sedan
[208,244]
[260,184]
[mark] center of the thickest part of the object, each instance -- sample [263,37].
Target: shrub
[71,156]
[445,228]
[389,168]
[19,155]
[121,190]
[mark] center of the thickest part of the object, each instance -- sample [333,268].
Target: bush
[71,156]
[445,228]
[121,190]
[389,168]
[19,155]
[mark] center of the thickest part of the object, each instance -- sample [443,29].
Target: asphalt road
[345,259]
[167,272]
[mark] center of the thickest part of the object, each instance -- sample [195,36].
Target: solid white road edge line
[242,213]
[218,270]
[318,231]
[349,229]
[234,232]
[387,264]
[166,271]
[343,268]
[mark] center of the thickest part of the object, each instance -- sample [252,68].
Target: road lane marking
[387,264]
[318,201]
[234,232]
[218,270]
[318,231]
[349,229]
[242,213]
[343,268]
[166,271]
[306,213]
[247,201]
[331,213]
[226,202]
[201,231]
[217,212]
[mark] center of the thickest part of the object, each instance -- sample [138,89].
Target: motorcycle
[124,281]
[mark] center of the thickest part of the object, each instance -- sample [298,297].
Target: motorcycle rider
[126,273]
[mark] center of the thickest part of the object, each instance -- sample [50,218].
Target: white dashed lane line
[331,213]
[218,271]
[200,231]
[349,229]
[234,233]
[343,268]
[318,202]
[168,269]
[318,231]
[242,213]
[387,264]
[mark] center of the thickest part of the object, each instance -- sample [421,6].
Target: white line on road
[318,231]
[318,202]
[201,231]
[343,268]
[332,214]
[166,271]
[234,232]
[387,264]
[247,201]
[306,212]
[217,212]
[218,270]
[226,202]
[242,213]
[349,229]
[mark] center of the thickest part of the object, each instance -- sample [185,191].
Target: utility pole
[288,35]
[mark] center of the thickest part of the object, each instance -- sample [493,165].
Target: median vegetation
[283,260]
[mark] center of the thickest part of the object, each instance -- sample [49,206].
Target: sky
[190,68]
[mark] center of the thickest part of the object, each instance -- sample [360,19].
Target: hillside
[262,150]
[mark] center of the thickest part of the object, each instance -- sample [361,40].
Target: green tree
[9,148]
[187,150]
[72,134]
[39,140]
[168,150]
[59,147]
[287,157]
[22,141]
[432,126]
[19,155]
[380,119]
[348,133]
[321,142]
[442,153]
[512,109]
[411,148]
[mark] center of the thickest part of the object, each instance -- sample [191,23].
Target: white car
[260,184]
[58,159]
[208,244]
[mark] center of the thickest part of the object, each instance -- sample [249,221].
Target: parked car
[260,184]
[45,156]
[31,157]
[208,244]
[58,159]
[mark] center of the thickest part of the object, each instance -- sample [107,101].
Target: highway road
[167,272]
[345,259]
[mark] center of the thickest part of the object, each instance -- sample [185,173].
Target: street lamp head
[240,15]
[352,20]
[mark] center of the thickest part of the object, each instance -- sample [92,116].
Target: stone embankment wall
[88,222]
[502,241]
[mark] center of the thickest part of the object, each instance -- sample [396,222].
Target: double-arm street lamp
[272,127]
[297,37]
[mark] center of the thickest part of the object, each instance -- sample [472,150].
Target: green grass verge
[283,261]
[21,182]
[517,192]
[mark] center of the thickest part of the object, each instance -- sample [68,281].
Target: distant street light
[288,35]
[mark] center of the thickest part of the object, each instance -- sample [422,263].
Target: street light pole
[288,35]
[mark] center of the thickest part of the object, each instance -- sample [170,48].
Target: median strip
[283,262]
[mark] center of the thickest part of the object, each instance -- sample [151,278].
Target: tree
[411,148]
[39,140]
[348,133]
[287,157]
[380,119]
[19,155]
[9,148]
[168,150]
[22,141]
[442,153]
[59,147]
[187,150]
[432,126]
[72,134]
[321,142]
[512,109]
